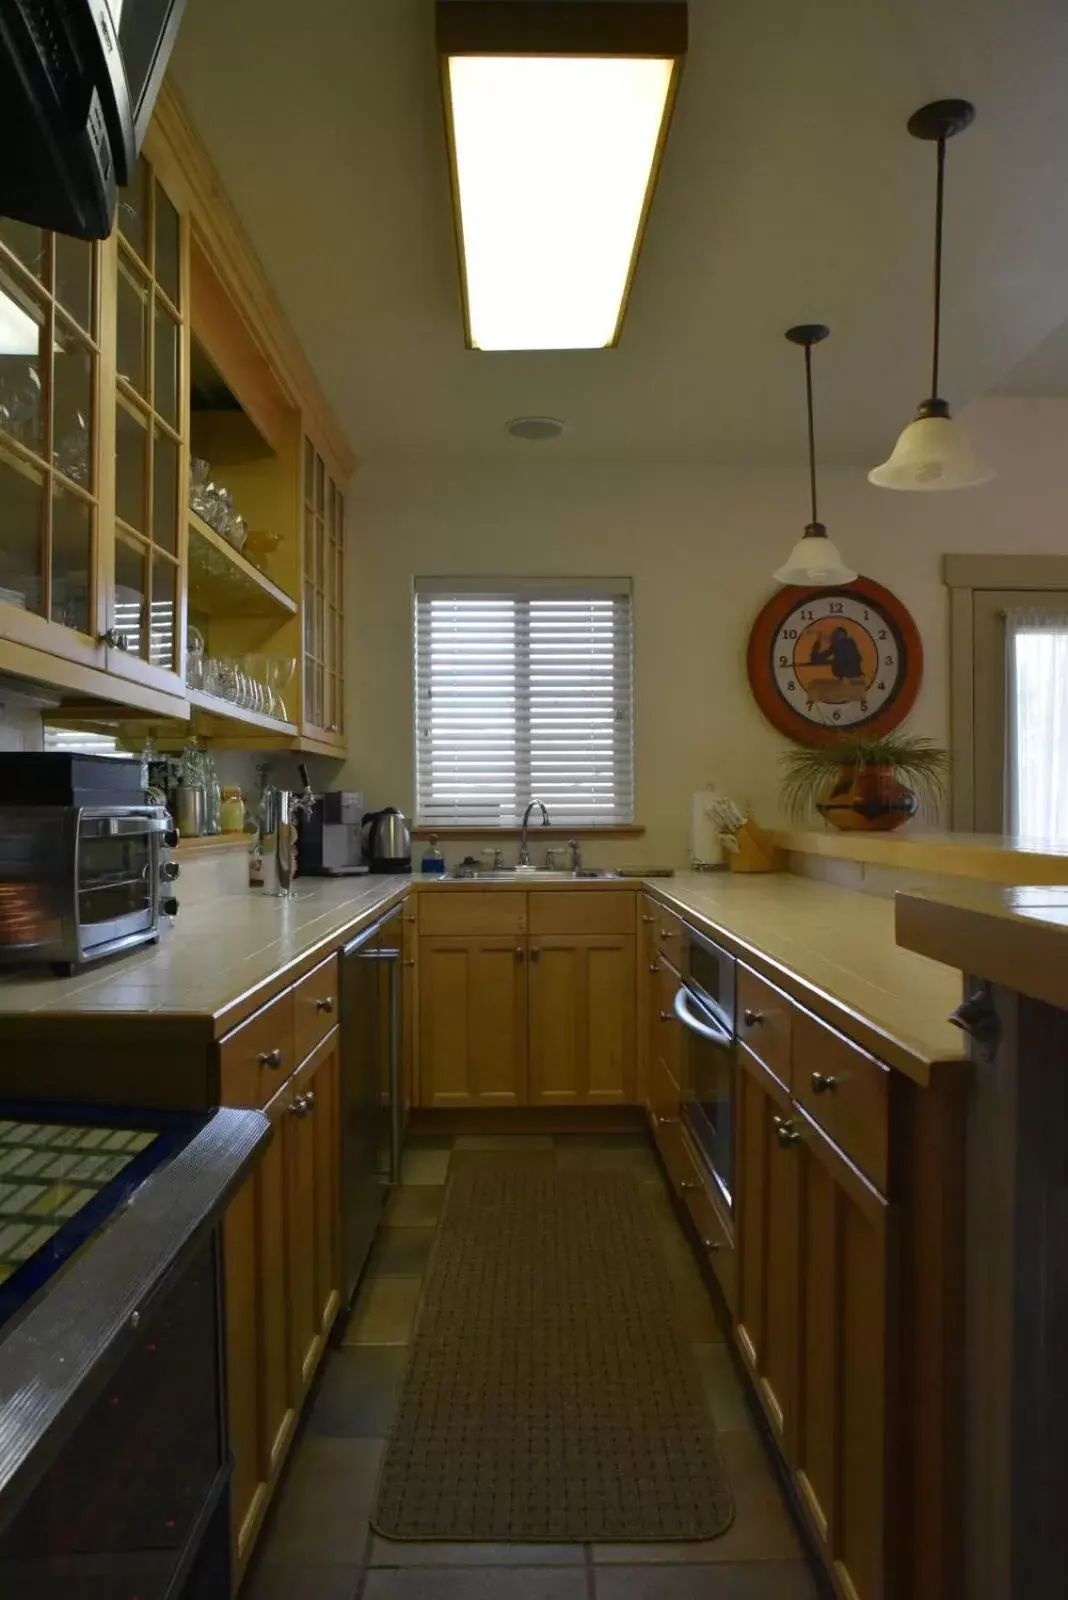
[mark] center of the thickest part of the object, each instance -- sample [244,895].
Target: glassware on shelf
[194,658]
[280,673]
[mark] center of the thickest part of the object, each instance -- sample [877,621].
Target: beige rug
[548,1394]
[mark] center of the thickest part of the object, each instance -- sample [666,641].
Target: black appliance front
[704,1005]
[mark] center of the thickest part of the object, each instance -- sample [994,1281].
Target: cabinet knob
[689,1183]
[409,961]
[654,966]
[665,1122]
[712,1244]
[535,954]
[785,1132]
[646,918]
[309,1100]
[270,1058]
[823,1082]
[326,1003]
[300,1106]
[665,1016]
[519,952]
[669,933]
[751,1018]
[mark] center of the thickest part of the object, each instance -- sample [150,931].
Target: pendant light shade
[815,561]
[934,451]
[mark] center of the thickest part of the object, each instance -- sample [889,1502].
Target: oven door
[117,875]
[708,1086]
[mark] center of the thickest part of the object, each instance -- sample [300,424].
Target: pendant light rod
[808,334]
[938,122]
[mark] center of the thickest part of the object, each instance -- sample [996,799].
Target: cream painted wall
[699,545]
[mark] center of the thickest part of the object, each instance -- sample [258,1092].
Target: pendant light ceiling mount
[934,452]
[814,562]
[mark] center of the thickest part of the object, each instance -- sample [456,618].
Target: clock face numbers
[837,659]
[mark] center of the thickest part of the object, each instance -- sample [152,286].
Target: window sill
[628,830]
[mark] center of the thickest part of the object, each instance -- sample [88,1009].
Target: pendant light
[934,451]
[814,561]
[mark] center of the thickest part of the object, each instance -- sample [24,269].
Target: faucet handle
[498,857]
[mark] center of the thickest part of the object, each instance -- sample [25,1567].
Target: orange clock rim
[768,698]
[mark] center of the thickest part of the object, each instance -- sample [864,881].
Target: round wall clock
[823,662]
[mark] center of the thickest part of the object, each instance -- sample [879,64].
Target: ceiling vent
[536,427]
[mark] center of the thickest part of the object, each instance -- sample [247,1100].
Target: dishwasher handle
[705,1025]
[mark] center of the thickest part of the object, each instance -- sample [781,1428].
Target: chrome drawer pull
[751,1018]
[325,1004]
[300,1106]
[785,1132]
[823,1082]
[270,1058]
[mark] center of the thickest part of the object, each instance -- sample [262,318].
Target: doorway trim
[963,575]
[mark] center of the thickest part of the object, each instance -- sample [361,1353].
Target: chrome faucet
[524,848]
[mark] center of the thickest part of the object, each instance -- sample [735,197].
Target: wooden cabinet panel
[472,912]
[768,1189]
[472,1020]
[764,1022]
[256,1058]
[713,1228]
[670,931]
[260,1397]
[315,1007]
[845,1368]
[581,911]
[846,1091]
[310,1136]
[582,1019]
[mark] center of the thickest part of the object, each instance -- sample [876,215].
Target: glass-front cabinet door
[50,489]
[323,715]
[145,624]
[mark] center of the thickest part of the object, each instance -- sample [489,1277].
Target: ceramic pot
[867,798]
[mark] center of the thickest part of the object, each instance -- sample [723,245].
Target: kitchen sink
[525,875]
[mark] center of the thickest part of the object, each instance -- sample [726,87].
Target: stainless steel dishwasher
[371,1102]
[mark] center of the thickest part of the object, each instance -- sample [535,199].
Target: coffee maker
[329,842]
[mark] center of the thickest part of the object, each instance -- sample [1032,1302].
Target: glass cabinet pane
[72,408]
[161,643]
[130,579]
[165,390]
[131,470]
[72,558]
[167,265]
[23,361]
[165,493]
[26,242]
[74,279]
[133,209]
[22,526]
[133,326]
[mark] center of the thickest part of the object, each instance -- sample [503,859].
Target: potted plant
[857,782]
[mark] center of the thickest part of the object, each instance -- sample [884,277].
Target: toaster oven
[80,882]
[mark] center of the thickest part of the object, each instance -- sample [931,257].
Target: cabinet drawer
[315,1007]
[667,1033]
[664,1101]
[846,1092]
[717,1239]
[764,1018]
[256,1059]
[472,911]
[670,931]
[581,911]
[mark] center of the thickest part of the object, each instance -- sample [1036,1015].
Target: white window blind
[77,741]
[1036,766]
[523,691]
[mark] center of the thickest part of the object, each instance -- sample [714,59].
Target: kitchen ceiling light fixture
[556,112]
[934,451]
[814,562]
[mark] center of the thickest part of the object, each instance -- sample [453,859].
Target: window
[1036,766]
[523,690]
[77,740]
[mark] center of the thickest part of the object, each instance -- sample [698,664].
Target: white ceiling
[790,192]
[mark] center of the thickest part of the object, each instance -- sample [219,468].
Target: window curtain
[1036,724]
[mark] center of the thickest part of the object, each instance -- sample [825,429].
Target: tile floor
[319,1545]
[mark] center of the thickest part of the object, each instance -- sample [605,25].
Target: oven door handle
[708,1030]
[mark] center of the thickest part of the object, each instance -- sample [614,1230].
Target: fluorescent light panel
[554,160]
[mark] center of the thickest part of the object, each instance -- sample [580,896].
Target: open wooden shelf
[224,583]
[224,711]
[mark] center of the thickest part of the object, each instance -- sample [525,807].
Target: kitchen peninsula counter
[1013,936]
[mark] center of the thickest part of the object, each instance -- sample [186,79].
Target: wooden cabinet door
[261,1401]
[310,1138]
[840,1433]
[473,1021]
[582,1019]
[768,1190]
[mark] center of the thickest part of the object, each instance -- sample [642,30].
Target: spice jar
[232,815]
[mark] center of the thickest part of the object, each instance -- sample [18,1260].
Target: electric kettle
[387,841]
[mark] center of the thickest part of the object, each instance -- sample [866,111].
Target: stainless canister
[189,810]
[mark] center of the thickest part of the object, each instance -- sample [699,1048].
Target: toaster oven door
[116,877]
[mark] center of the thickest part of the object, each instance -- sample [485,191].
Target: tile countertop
[1017,937]
[220,960]
[835,951]
[989,857]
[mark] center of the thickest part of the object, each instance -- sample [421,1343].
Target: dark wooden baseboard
[529,1119]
